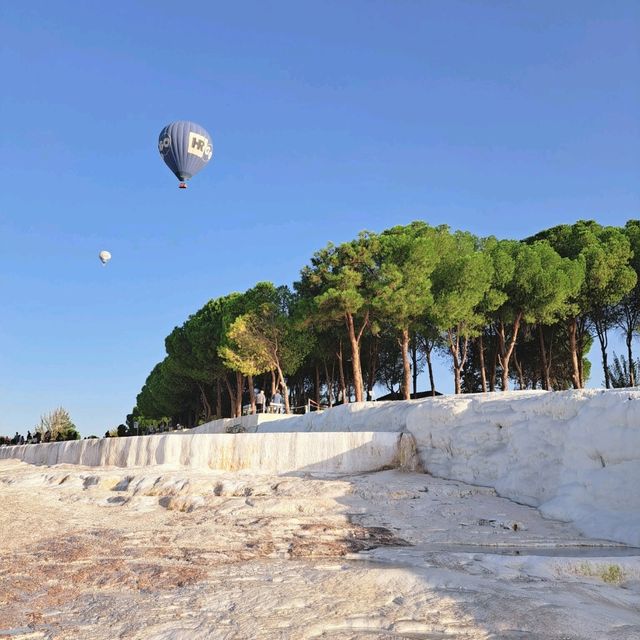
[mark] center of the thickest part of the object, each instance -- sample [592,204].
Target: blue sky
[327,118]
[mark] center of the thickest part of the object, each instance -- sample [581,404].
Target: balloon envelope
[185,147]
[104,256]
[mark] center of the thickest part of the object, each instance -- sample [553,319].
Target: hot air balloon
[104,256]
[186,148]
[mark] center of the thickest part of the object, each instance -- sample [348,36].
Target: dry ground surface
[158,553]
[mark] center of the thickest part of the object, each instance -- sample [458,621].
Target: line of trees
[375,310]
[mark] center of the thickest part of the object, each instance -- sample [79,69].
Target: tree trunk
[329,380]
[232,398]
[518,367]
[546,380]
[573,347]
[494,367]
[343,386]
[459,353]
[354,339]
[406,365]
[317,386]
[252,394]
[285,391]
[463,356]
[239,389]
[205,403]
[506,350]
[632,368]
[605,363]
[483,372]
[197,411]
[373,365]
[456,376]
[601,331]
[218,399]
[454,347]
[414,363]
[581,330]
[427,352]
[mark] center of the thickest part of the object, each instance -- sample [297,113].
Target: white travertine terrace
[329,453]
[573,454]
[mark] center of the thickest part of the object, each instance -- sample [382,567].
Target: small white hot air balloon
[104,256]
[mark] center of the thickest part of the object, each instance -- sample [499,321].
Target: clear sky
[327,117]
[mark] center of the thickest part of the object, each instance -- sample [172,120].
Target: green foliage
[360,304]
[622,373]
[340,287]
[58,424]
[266,337]
[606,255]
[166,392]
[193,348]
[628,316]
[461,283]
[407,257]
[540,284]
[247,349]
[145,423]
[390,364]
[341,280]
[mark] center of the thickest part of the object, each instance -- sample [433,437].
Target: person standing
[276,402]
[261,400]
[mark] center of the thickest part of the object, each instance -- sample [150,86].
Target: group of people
[275,405]
[36,438]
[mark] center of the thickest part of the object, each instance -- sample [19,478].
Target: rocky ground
[158,553]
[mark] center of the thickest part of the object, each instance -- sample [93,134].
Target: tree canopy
[372,310]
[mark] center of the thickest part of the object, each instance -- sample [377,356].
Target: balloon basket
[182,185]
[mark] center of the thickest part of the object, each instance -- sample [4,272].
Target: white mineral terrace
[326,453]
[575,454]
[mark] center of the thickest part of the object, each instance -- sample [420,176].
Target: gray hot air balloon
[186,148]
[104,256]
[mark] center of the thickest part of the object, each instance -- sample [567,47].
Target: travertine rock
[331,453]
